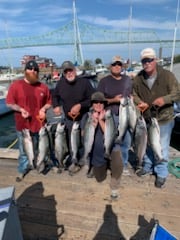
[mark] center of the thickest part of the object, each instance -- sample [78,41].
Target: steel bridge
[89,34]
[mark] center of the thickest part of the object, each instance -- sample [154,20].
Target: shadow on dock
[38,213]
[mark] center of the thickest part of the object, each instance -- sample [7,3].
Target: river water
[7,131]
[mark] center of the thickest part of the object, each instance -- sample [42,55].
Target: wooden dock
[62,207]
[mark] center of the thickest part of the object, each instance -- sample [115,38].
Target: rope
[12,144]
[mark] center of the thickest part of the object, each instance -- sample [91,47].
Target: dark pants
[116,167]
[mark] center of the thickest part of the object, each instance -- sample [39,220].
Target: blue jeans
[23,159]
[161,170]
[125,145]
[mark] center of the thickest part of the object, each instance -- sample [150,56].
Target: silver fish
[123,119]
[43,148]
[154,139]
[140,140]
[132,114]
[28,147]
[75,141]
[88,139]
[110,133]
[60,144]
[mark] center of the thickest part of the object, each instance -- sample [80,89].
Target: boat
[3,108]
[100,68]
[9,77]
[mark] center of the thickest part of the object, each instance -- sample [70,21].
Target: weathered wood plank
[58,206]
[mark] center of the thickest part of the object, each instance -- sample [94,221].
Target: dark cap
[98,96]
[67,65]
[32,65]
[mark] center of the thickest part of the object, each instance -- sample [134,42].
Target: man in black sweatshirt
[72,96]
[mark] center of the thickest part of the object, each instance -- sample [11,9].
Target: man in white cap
[155,90]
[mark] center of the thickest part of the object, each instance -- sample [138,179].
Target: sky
[22,18]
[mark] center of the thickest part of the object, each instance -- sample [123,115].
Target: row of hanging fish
[142,134]
[129,119]
[37,160]
[45,144]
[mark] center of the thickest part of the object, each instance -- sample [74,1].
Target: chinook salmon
[75,141]
[123,119]
[60,144]
[110,133]
[140,140]
[132,114]
[88,139]
[28,147]
[43,148]
[154,139]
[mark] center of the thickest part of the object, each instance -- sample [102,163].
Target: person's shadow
[145,228]
[37,214]
[109,229]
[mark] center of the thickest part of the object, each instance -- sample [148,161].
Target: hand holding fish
[101,115]
[57,110]
[24,113]
[115,99]
[42,114]
[142,106]
[95,117]
[98,117]
[159,102]
[75,109]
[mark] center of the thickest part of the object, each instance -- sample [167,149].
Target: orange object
[41,120]
[142,109]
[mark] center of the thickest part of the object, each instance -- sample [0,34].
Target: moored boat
[9,77]
[3,108]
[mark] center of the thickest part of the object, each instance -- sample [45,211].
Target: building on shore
[42,62]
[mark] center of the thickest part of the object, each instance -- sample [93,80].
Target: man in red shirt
[29,99]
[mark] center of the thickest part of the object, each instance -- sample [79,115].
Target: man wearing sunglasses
[115,86]
[155,90]
[29,99]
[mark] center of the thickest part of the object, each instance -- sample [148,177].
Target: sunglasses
[147,60]
[32,68]
[96,101]
[116,64]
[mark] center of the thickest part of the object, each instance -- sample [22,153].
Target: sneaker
[114,194]
[74,168]
[90,173]
[141,172]
[126,172]
[159,182]
[20,177]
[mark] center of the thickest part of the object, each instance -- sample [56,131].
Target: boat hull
[3,108]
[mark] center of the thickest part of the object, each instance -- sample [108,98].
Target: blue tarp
[160,233]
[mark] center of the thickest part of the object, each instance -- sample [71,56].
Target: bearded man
[29,99]
[72,97]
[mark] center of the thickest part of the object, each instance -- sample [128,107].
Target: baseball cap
[148,53]
[67,65]
[32,65]
[98,97]
[116,59]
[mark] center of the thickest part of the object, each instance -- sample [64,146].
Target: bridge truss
[89,35]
